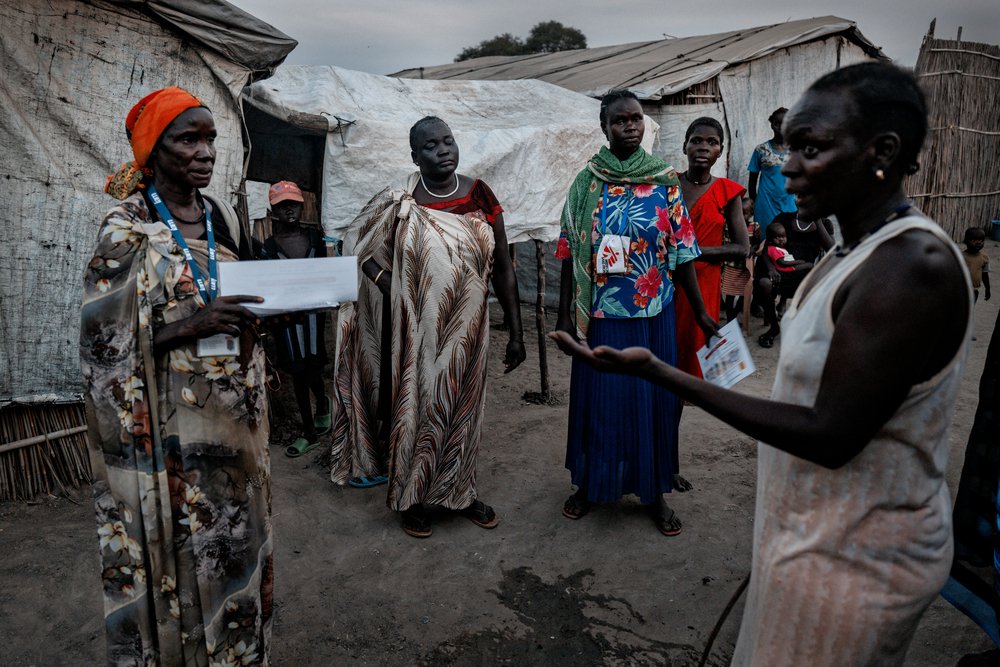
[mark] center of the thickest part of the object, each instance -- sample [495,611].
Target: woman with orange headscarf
[176,408]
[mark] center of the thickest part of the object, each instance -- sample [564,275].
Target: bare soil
[352,588]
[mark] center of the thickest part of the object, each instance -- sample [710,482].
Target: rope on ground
[722,619]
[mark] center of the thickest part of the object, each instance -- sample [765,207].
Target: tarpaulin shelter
[738,77]
[72,70]
[345,135]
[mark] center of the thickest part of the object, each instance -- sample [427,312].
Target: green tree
[552,36]
[501,45]
[545,37]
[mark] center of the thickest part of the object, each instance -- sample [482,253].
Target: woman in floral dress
[622,433]
[178,441]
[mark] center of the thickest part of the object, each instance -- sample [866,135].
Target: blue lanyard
[604,212]
[213,264]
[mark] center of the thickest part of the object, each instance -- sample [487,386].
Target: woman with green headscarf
[625,230]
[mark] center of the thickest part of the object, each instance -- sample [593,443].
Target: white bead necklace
[428,190]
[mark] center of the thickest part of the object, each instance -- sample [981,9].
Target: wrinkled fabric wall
[527,139]
[674,121]
[72,70]
[751,91]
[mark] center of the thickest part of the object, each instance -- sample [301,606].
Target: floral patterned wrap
[644,202]
[178,446]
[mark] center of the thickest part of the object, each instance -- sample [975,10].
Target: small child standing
[301,340]
[979,263]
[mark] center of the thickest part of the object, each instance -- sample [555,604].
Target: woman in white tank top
[852,535]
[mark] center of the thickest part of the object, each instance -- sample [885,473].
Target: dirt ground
[352,588]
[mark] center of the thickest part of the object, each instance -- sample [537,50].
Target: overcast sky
[384,36]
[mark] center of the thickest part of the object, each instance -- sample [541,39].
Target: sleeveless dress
[845,561]
[708,215]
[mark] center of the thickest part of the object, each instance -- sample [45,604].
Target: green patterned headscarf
[578,212]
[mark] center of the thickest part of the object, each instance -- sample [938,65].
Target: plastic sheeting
[526,139]
[240,37]
[753,90]
[650,69]
[72,70]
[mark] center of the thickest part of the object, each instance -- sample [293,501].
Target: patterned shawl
[577,214]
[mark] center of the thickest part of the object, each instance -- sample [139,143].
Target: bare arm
[986,285]
[687,280]
[505,288]
[881,347]
[739,246]
[564,320]
[752,186]
[825,239]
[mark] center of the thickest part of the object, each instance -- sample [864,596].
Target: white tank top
[846,560]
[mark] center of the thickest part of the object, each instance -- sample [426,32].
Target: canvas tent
[527,139]
[957,185]
[738,77]
[72,70]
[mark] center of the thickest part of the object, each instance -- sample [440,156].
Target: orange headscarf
[144,124]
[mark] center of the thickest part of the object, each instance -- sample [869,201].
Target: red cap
[284,190]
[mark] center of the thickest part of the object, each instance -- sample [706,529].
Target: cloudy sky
[384,36]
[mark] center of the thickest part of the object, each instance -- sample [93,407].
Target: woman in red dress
[713,203]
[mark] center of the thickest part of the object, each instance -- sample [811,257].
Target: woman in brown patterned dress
[431,251]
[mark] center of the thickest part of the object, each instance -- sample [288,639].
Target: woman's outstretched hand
[630,361]
[514,355]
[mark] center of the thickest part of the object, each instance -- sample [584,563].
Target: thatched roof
[652,70]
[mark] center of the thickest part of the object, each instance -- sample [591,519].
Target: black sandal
[766,341]
[481,514]
[576,506]
[666,520]
[415,522]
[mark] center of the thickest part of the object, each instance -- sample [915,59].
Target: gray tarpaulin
[72,70]
[526,139]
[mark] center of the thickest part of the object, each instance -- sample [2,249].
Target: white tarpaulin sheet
[71,72]
[526,139]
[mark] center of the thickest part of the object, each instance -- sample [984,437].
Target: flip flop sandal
[322,423]
[576,507]
[415,523]
[300,447]
[366,482]
[668,523]
[481,514]
[766,341]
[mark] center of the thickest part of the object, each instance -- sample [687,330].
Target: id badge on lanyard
[613,248]
[220,344]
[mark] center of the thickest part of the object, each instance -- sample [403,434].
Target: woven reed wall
[50,466]
[958,184]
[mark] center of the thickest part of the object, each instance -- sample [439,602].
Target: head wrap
[144,124]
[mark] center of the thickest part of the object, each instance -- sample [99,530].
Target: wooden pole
[543,365]
[38,439]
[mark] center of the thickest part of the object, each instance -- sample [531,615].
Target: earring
[879,174]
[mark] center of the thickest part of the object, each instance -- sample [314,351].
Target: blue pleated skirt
[623,430]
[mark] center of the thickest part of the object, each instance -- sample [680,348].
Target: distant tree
[501,45]
[552,36]
[545,37]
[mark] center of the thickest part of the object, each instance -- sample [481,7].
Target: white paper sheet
[292,284]
[726,360]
